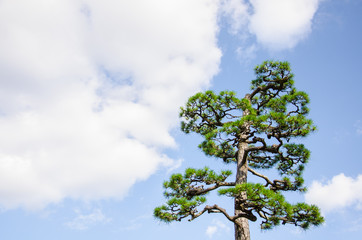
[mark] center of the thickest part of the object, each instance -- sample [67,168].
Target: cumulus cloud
[216,227]
[276,24]
[90,90]
[85,221]
[237,14]
[340,192]
[282,23]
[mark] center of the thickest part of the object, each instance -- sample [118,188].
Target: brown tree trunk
[242,224]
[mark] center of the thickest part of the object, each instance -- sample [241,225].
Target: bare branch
[261,175]
[216,209]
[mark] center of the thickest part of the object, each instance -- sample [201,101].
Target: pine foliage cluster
[261,126]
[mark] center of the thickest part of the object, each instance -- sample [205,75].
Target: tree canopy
[258,131]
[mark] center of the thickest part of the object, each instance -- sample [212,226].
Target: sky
[90,93]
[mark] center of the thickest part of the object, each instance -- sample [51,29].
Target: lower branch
[216,209]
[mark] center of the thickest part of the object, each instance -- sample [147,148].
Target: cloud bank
[90,90]
[340,192]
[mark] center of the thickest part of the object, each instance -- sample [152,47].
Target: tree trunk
[241,224]
[242,229]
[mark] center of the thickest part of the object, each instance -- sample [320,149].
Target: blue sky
[89,99]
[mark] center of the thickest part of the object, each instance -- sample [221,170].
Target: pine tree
[252,134]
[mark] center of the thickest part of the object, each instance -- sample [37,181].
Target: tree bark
[242,229]
[241,224]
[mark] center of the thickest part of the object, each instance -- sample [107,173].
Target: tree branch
[216,209]
[261,175]
[200,191]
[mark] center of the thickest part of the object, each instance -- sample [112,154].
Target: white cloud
[237,13]
[340,192]
[90,90]
[85,221]
[217,226]
[276,24]
[282,24]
